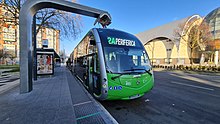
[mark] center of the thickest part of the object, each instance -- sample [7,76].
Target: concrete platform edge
[99,105]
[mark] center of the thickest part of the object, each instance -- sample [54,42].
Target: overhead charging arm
[104,19]
[28,10]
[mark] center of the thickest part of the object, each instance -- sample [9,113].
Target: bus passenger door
[90,72]
[96,75]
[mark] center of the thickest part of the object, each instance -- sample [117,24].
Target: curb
[99,105]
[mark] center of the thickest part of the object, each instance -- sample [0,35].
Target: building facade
[9,36]
[164,47]
[213,20]
[51,35]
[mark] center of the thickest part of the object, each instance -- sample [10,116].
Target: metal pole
[34,40]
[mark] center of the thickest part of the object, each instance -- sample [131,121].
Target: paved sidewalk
[58,99]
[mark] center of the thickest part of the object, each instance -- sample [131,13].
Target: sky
[140,15]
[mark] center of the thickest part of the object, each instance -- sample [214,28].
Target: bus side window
[92,66]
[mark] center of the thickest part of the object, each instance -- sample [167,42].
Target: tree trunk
[191,58]
[16,41]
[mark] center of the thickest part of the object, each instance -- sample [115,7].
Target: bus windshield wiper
[133,69]
[108,69]
[113,78]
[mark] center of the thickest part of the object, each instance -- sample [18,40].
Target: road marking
[205,88]
[197,80]
[82,103]
[208,94]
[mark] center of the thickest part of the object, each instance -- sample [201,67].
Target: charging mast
[28,10]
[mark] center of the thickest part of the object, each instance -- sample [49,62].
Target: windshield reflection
[125,60]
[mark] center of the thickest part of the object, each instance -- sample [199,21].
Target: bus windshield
[123,52]
[123,60]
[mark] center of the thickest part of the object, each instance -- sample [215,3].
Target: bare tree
[69,24]
[1,55]
[5,55]
[194,37]
[10,54]
[151,46]
[11,15]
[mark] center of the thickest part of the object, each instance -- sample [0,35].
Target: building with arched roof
[164,47]
[213,19]
[164,31]
[213,48]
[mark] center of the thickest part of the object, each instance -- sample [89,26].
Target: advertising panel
[45,63]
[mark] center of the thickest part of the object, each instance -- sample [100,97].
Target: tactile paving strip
[97,119]
[88,114]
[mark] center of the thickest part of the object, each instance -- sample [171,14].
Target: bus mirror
[92,42]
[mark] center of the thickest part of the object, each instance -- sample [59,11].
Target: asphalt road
[177,98]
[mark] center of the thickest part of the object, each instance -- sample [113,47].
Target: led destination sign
[119,41]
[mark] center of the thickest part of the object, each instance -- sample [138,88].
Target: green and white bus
[112,65]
